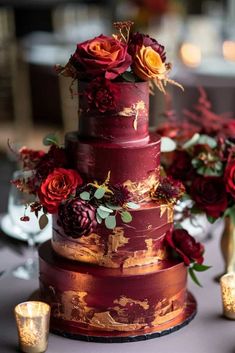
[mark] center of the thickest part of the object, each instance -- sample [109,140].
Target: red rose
[101,56]
[209,195]
[181,166]
[102,95]
[185,245]
[230,178]
[137,40]
[57,187]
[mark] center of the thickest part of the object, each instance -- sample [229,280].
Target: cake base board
[70,331]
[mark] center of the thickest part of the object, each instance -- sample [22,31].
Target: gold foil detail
[167,309]
[141,189]
[143,258]
[117,239]
[170,212]
[105,321]
[74,308]
[123,301]
[133,110]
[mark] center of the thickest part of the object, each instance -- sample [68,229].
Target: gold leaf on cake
[133,110]
[168,309]
[117,239]
[123,301]
[170,212]
[141,189]
[105,321]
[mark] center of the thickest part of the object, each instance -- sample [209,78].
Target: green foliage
[133,205]
[105,209]
[98,218]
[126,217]
[85,196]
[99,193]
[128,76]
[194,277]
[51,139]
[43,221]
[113,207]
[199,268]
[101,213]
[110,222]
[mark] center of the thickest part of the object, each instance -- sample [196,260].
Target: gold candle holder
[32,319]
[227,284]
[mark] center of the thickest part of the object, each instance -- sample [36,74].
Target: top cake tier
[114,112]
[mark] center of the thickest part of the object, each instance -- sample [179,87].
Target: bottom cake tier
[101,304]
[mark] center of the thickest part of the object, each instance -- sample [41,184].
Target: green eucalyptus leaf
[110,222]
[102,214]
[193,141]
[126,217]
[50,139]
[194,277]
[99,193]
[43,221]
[113,207]
[106,209]
[98,218]
[85,195]
[200,267]
[133,205]
[207,140]
[128,76]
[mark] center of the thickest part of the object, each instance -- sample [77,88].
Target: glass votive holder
[32,320]
[227,284]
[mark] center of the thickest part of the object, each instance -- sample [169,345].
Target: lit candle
[227,283]
[191,54]
[229,50]
[32,319]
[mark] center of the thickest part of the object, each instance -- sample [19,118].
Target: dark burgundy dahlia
[137,40]
[77,217]
[120,195]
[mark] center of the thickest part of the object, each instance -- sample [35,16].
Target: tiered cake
[121,283]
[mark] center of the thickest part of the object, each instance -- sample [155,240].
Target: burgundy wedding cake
[115,268]
[120,282]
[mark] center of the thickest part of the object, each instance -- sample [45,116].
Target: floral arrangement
[206,167]
[204,160]
[201,119]
[125,56]
[81,206]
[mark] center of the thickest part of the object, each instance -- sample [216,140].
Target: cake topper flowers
[125,56]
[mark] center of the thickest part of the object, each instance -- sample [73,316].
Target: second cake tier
[138,243]
[137,167]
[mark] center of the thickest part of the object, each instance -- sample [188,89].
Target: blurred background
[199,36]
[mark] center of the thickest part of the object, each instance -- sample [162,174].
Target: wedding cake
[110,272]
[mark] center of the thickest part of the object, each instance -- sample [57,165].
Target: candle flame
[190,54]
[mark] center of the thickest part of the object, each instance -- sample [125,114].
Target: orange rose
[57,187]
[148,64]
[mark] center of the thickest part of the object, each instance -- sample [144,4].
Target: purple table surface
[208,332]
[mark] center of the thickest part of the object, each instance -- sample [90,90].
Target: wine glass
[18,206]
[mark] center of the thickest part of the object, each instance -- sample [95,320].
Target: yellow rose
[148,64]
